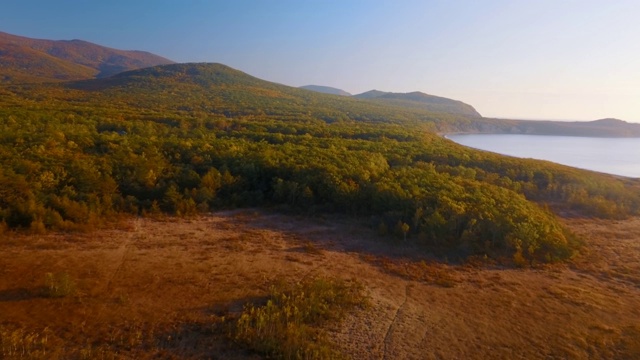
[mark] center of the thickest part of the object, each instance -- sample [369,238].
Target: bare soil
[160,288]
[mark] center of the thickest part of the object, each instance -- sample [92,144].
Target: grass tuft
[289,325]
[18,343]
[311,248]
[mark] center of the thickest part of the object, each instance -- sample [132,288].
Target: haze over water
[619,156]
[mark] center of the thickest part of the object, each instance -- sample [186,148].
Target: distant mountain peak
[417,99]
[325,90]
[190,72]
[371,94]
[25,59]
[204,75]
[609,121]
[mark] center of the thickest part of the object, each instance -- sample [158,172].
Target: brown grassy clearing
[161,287]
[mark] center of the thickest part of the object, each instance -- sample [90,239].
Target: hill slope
[24,59]
[421,100]
[325,90]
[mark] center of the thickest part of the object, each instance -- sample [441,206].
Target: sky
[525,59]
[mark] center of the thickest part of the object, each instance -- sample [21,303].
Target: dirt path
[387,336]
[121,253]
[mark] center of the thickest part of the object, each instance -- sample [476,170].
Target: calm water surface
[620,156]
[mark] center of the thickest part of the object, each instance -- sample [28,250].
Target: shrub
[289,325]
[58,285]
[311,248]
[37,227]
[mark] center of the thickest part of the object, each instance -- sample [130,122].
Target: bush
[58,285]
[289,325]
[37,227]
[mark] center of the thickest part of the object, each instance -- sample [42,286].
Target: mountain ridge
[188,79]
[420,100]
[24,59]
[326,90]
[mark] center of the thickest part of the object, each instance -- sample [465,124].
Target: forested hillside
[187,138]
[24,59]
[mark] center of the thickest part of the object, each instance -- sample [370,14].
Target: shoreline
[588,155]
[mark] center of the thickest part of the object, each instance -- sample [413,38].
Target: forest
[185,139]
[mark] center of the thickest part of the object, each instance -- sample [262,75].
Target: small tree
[402,228]
[405,230]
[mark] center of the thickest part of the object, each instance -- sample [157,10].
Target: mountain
[421,100]
[325,90]
[371,94]
[24,59]
[216,84]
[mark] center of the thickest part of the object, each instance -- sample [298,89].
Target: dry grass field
[166,287]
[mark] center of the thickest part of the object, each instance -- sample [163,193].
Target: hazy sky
[540,59]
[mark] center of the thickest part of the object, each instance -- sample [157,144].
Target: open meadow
[172,288]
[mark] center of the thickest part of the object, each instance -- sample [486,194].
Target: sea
[618,156]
